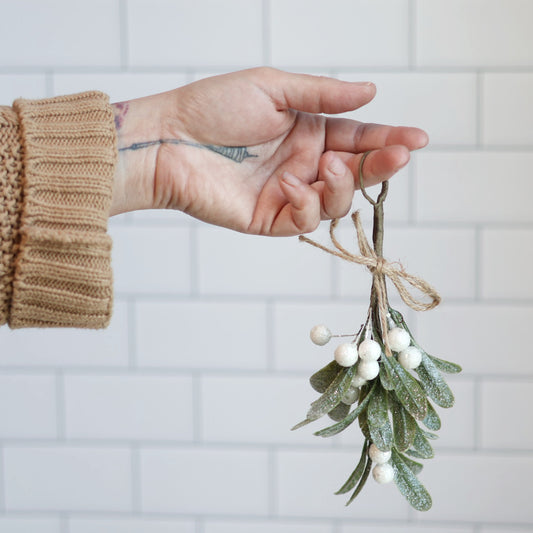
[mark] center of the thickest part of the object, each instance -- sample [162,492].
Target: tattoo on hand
[235,153]
[121,110]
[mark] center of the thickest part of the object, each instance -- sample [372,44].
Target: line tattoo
[235,153]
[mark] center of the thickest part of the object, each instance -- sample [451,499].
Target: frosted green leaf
[409,485]
[322,379]
[343,424]
[433,383]
[378,420]
[428,435]
[445,366]
[340,412]
[362,481]
[432,420]
[421,447]
[357,473]
[404,425]
[415,467]
[407,389]
[385,378]
[333,394]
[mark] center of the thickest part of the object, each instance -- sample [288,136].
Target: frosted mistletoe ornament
[382,377]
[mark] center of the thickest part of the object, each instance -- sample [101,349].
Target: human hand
[251,150]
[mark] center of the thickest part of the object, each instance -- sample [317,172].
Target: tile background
[176,418]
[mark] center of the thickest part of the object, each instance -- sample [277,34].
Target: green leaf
[362,481]
[378,420]
[432,420]
[340,412]
[404,425]
[421,446]
[385,378]
[429,435]
[322,379]
[333,394]
[415,467]
[343,424]
[433,383]
[357,473]
[445,366]
[408,484]
[407,389]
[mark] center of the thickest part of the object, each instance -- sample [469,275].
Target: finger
[315,94]
[380,165]
[352,136]
[335,185]
[302,213]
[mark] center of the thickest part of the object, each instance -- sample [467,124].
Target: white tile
[445,258]
[307,481]
[130,525]
[61,33]
[506,258]
[270,406]
[61,478]
[27,407]
[271,526]
[119,86]
[507,108]
[475,33]
[304,33]
[201,334]
[151,260]
[479,488]
[474,186]
[293,349]
[505,415]
[14,86]
[207,33]
[470,335]
[29,525]
[128,407]
[238,264]
[408,99]
[68,347]
[223,482]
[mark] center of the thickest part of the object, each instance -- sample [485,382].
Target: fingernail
[290,179]
[336,166]
[363,83]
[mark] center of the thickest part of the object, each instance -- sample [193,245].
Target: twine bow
[380,267]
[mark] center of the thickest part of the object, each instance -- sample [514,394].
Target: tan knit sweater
[57,161]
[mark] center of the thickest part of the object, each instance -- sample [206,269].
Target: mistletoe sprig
[383,378]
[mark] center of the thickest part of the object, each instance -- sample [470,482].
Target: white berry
[346,354]
[378,456]
[383,473]
[350,396]
[358,381]
[320,334]
[410,358]
[369,350]
[368,369]
[398,339]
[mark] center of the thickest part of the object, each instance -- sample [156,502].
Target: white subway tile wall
[177,417]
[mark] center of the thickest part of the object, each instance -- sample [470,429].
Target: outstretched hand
[253,150]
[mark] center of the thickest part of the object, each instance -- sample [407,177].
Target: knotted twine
[379,267]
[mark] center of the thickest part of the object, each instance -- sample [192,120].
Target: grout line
[270,333]
[124,34]
[194,263]
[199,525]
[477,415]
[267,33]
[197,433]
[60,406]
[478,265]
[412,183]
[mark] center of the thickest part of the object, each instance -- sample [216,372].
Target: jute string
[378,266]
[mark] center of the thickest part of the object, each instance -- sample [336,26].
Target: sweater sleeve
[57,162]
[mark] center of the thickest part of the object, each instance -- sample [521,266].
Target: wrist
[136,121]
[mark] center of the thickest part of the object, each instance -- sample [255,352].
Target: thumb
[315,94]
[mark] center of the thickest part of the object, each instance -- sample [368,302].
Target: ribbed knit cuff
[63,267]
